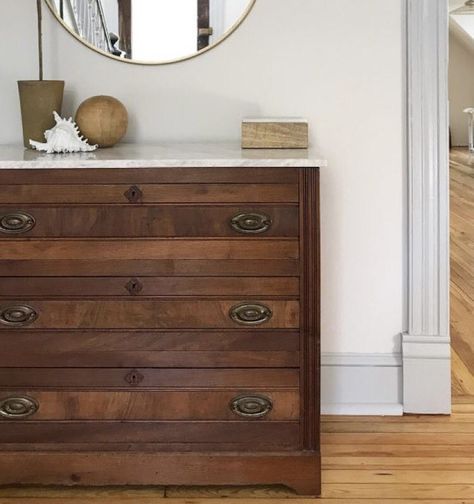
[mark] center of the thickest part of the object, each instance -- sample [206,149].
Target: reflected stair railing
[89,22]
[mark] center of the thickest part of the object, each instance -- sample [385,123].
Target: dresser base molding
[297,470]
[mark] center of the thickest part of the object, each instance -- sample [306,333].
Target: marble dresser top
[190,155]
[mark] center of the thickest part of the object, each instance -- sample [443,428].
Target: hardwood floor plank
[106,495]
[222,492]
[397,476]
[435,451]
[427,463]
[352,491]
[405,419]
[398,428]
[462,375]
[412,439]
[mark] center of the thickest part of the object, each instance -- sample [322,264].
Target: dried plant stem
[40,39]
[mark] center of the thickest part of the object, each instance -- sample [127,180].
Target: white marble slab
[190,155]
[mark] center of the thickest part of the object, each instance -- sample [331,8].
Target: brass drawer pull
[251,223]
[16,223]
[18,407]
[250,314]
[254,406]
[17,315]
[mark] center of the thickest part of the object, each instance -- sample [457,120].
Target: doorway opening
[461,175]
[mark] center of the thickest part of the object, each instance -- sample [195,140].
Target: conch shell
[65,137]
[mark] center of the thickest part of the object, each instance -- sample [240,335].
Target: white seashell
[65,137]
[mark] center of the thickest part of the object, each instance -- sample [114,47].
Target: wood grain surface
[14,287]
[130,176]
[151,193]
[146,313]
[185,404]
[149,221]
[146,378]
[99,267]
[155,436]
[157,249]
[166,349]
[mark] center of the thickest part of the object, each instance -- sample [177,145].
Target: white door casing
[426,345]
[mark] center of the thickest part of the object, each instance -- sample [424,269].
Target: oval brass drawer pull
[16,223]
[250,314]
[17,315]
[253,406]
[18,407]
[251,223]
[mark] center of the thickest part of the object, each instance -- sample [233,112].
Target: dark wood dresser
[159,319]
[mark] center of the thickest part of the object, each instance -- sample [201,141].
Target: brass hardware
[17,315]
[251,223]
[253,406]
[16,223]
[250,314]
[18,407]
[134,194]
[134,287]
[134,378]
[206,32]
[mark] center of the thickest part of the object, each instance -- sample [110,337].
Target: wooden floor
[374,460]
[462,271]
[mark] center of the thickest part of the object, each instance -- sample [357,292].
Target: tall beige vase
[38,101]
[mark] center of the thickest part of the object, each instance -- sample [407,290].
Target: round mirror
[151,31]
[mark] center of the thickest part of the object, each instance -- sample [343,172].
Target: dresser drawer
[149,349]
[149,175]
[237,404]
[143,249]
[148,314]
[100,267]
[147,378]
[137,194]
[14,287]
[182,435]
[148,221]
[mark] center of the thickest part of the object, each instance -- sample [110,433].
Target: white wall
[338,63]
[461,88]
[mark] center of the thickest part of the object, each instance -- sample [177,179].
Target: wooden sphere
[103,120]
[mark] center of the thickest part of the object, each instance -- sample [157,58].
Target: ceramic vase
[38,101]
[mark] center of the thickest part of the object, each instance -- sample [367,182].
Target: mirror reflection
[151,31]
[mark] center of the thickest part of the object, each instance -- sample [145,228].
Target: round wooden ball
[103,120]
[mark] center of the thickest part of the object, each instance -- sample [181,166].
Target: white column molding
[426,347]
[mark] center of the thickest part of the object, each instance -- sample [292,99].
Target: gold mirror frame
[226,35]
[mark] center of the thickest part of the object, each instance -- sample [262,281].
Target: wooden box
[276,133]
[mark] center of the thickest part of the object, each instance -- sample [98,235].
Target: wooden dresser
[159,318]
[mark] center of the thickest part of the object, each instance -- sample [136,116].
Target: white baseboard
[426,374]
[361,384]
